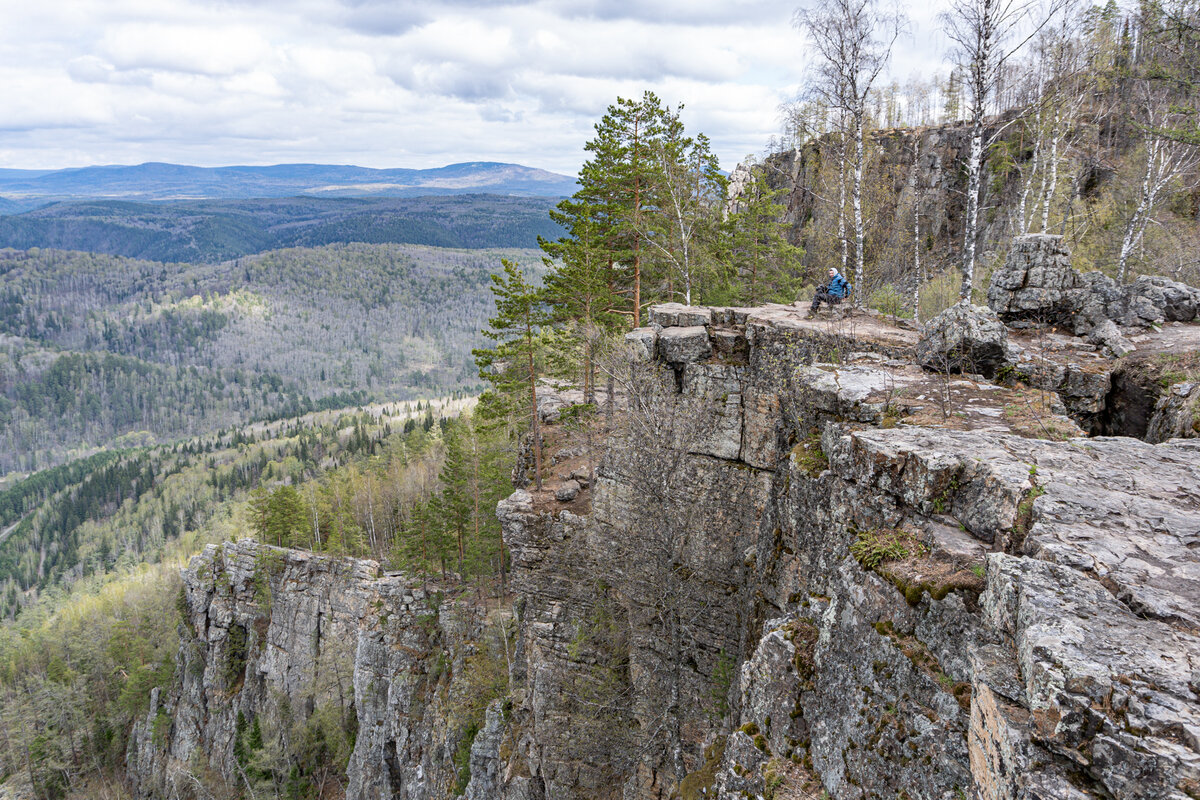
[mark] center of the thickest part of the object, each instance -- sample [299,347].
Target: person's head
[832,271]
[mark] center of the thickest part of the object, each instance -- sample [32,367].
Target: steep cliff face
[279,636]
[856,593]
[906,166]
[804,565]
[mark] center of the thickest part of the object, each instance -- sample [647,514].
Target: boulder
[966,338]
[684,345]
[567,492]
[1108,336]
[1153,300]
[1036,281]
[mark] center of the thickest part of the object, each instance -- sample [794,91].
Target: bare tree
[1166,160]
[853,39]
[657,463]
[986,34]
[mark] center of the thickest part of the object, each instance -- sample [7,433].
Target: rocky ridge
[804,564]
[276,635]
[917,609]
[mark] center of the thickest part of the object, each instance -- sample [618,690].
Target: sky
[390,83]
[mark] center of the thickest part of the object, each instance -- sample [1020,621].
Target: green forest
[211,231]
[89,568]
[100,351]
[289,394]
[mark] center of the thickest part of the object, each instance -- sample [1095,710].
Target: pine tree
[511,366]
[578,285]
[618,181]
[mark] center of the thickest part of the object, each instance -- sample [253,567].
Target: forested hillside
[215,230]
[94,348]
[89,557]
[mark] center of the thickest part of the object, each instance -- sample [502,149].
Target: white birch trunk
[1136,226]
[858,214]
[842,201]
[1022,214]
[917,277]
[1022,217]
[1052,182]
[971,223]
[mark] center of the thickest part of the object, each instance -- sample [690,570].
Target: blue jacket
[838,286]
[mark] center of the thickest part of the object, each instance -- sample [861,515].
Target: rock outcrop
[966,338]
[891,606]
[804,565]
[275,635]
[1037,283]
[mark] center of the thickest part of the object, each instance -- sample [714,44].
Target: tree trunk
[536,432]
[842,201]
[1052,180]
[858,212]
[971,223]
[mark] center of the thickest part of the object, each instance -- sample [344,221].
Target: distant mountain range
[22,190]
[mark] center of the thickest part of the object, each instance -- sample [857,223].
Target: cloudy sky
[388,83]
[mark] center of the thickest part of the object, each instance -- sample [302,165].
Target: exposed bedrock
[1037,283]
[805,564]
[860,598]
[275,636]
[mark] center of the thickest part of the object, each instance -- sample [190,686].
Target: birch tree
[853,40]
[1164,72]
[986,34]
[1164,162]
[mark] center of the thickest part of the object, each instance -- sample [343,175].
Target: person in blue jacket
[831,293]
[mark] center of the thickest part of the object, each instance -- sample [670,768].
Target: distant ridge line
[153,181]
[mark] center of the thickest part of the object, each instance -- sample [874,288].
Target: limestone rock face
[1176,415]
[1036,637]
[966,338]
[684,345]
[643,343]
[815,568]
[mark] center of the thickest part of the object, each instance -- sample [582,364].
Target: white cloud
[386,82]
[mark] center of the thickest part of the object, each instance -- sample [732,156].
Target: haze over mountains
[126,311]
[26,189]
[173,212]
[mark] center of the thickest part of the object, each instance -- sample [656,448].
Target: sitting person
[831,293]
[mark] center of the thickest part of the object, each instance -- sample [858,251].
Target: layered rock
[274,635]
[805,564]
[890,607]
[1037,283]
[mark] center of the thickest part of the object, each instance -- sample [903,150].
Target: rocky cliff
[279,637]
[804,564]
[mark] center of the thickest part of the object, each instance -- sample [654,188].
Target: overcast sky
[388,83]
